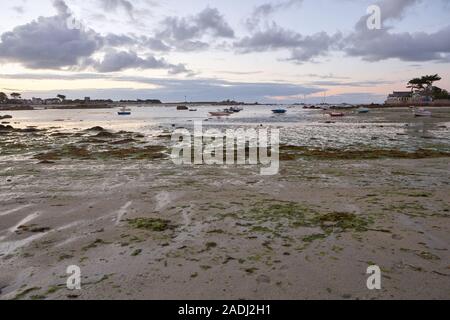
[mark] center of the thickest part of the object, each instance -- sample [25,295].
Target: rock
[6,128]
[104,134]
[97,128]
[29,130]
[46,162]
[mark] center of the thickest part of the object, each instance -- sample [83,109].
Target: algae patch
[290,153]
[150,224]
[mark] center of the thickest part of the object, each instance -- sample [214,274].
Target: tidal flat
[113,203]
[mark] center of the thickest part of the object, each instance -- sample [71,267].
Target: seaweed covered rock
[6,128]
[96,129]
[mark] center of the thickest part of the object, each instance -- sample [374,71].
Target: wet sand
[142,228]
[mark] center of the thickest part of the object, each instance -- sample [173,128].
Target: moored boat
[124,111]
[421,112]
[220,114]
[363,110]
[279,111]
[235,109]
[337,114]
[182,108]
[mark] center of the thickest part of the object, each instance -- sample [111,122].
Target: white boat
[124,111]
[421,112]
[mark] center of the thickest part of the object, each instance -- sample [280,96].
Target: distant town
[422,93]
[14,101]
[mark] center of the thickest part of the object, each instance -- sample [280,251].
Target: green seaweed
[150,224]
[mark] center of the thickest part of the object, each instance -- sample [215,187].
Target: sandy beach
[139,227]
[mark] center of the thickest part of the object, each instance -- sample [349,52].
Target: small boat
[235,109]
[363,110]
[182,108]
[220,114]
[124,111]
[193,110]
[422,113]
[279,111]
[336,114]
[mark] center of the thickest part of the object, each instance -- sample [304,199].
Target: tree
[61,97]
[429,80]
[416,84]
[424,85]
[15,95]
[439,94]
[3,97]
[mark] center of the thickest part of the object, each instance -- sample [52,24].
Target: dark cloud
[114,61]
[377,45]
[314,46]
[54,43]
[48,42]
[185,33]
[303,48]
[405,46]
[272,38]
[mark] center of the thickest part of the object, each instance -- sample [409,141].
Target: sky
[282,51]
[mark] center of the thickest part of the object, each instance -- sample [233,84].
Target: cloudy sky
[254,50]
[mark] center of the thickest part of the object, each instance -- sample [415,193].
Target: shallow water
[393,128]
